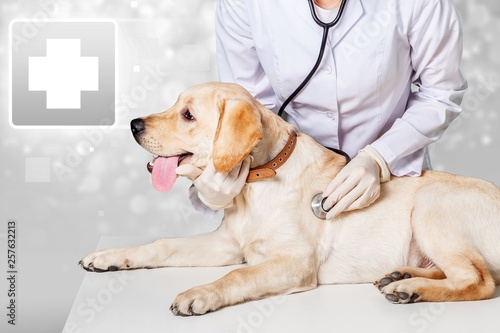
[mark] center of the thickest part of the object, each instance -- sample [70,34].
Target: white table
[139,301]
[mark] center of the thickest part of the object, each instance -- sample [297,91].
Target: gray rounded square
[62,73]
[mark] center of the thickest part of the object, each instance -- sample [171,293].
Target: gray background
[68,187]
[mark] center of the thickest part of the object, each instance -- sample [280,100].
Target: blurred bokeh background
[68,187]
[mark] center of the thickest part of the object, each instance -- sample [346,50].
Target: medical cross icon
[63,74]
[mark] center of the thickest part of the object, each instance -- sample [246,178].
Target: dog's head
[217,121]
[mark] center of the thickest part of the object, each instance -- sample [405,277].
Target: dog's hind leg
[443,230]
[467,278]
[409,272]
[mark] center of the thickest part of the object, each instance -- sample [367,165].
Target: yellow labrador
[439,234]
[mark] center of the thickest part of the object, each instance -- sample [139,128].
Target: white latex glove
[216,190]
[357,185]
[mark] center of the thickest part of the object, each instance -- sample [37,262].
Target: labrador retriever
[437,235]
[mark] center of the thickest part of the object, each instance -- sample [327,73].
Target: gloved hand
[357,185]
[216,190]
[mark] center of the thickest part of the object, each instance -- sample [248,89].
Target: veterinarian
[388,85]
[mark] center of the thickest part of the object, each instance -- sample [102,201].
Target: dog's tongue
[163,173]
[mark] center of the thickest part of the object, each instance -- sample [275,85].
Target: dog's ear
[238,131]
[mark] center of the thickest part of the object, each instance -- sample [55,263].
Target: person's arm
[435,36]
[237,57]
[199,206]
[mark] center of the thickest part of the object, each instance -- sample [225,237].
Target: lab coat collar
[352,13]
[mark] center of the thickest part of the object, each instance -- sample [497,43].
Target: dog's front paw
[106,260]
[196,301]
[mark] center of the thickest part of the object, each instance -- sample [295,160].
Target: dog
[438,235]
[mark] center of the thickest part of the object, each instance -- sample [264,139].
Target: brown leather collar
[268,170]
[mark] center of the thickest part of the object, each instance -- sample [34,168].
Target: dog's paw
[106,260]
[390,278]
[397,288]
[196,301]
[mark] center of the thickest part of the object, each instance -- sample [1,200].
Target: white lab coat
[361,93]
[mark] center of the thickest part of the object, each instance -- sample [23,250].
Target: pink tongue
[163,173]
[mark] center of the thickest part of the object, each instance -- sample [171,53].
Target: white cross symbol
[63,74]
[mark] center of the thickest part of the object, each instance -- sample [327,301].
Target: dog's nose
[137,126]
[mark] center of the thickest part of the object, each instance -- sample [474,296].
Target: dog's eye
[188,115]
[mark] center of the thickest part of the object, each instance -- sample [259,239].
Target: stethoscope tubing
[318,200]
[326,27]
[333,22]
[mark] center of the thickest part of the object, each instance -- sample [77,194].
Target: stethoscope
[317,200]
[326,27]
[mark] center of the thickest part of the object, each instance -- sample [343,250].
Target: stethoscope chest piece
[317,206]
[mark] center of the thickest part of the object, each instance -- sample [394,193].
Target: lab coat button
[330,115]
[327,69]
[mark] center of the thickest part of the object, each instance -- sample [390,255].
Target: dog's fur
[439,234]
